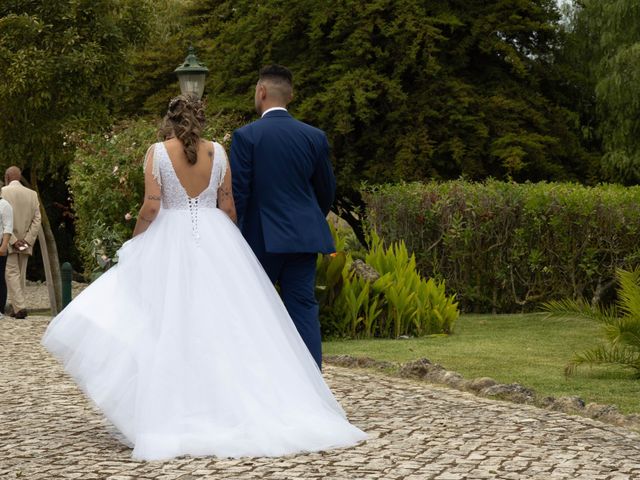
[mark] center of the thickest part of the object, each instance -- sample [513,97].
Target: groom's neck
[267,105]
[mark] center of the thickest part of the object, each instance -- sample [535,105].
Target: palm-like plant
[621,325]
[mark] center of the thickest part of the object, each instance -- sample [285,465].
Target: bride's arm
[152,197]
[225,195]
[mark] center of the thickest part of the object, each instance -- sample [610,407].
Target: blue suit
[283,187]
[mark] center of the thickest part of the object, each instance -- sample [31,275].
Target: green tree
[62,65]
[154,83]
[608,37]
[576,83]
[406,89]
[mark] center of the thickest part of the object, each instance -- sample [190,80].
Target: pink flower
[128,216]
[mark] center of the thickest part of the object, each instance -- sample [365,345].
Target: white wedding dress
[186,347]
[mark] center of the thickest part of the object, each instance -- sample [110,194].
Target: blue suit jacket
[283,185]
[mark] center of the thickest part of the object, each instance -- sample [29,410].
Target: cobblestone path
[49,431]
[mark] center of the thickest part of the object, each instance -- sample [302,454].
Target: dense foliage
[62,64]
[407,90]
[604,44]
[396,301]
[107,183]
[504,247]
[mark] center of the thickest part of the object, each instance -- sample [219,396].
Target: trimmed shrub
[507,247]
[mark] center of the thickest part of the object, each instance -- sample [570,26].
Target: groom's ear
[261,90]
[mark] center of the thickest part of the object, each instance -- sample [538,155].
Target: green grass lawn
[528,349]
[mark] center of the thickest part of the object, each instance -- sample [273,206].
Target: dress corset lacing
[175,197]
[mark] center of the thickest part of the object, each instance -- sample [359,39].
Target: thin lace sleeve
[224,164]
[155,167]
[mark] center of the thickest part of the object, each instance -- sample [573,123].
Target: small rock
[418,368]
[341,360]
[356,362]
[437,375]
[548,402]
[513,392]
[364,271]
[481,383]
[597,410]
[452,379]
[366,362]
[632,421]
[566,404]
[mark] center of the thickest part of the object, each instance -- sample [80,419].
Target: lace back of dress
[174,196]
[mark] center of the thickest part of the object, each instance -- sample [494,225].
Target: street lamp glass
[191,74]
[192,83]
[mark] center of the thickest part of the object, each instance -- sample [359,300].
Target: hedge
[507,247]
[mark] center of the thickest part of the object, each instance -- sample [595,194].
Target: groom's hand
[323,179]
[241,160]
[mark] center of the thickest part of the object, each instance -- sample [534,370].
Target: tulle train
[187,349]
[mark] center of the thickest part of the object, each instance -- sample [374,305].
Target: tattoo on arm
[154,197]
[225,192]
[145,220]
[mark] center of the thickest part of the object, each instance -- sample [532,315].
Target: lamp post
[191,74]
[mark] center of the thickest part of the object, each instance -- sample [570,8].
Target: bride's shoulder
[152,152]
[217,146]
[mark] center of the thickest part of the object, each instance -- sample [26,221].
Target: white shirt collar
[15,182]
[272,109]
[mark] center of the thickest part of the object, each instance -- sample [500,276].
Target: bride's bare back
[193,178]
[184,118]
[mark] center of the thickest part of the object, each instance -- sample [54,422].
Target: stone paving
[418,431]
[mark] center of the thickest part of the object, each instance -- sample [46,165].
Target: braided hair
[185,120]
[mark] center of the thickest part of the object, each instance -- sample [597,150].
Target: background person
[6,227]
[26,224]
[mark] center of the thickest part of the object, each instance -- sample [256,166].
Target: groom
[283,187]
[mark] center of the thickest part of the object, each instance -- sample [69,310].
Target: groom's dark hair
[277,74]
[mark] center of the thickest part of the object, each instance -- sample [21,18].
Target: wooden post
[47,273]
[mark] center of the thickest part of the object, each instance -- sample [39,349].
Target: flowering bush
[107,185]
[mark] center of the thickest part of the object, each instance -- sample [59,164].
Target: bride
[185,345]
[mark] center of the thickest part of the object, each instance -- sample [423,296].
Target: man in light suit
[283,187]
[26,223]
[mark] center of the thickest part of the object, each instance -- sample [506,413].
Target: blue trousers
[295,273]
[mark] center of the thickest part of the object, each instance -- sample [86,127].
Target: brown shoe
[20,314]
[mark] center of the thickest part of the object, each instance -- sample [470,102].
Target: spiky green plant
[620,325]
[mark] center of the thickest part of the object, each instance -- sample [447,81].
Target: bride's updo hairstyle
[185,120]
